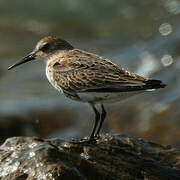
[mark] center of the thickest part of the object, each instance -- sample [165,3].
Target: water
[147,45]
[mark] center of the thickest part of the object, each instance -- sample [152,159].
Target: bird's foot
[86,140]
[97,136]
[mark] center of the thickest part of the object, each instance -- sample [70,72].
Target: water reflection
[165,29]
[167,60]
[141,36]
[173,6]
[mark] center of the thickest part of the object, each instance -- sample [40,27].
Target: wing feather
[80,71]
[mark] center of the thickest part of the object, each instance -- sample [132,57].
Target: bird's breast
[51,79]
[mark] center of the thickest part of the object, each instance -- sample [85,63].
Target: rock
[112,157]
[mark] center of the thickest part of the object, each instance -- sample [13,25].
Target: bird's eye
[45,47]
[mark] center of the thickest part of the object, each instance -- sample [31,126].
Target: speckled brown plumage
[87,77]
[76,71]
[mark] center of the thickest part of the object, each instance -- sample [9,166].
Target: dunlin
[87,77]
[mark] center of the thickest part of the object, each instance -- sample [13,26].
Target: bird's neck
[57,55]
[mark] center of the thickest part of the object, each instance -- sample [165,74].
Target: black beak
[29,57]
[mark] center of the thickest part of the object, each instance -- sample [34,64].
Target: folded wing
[81,71]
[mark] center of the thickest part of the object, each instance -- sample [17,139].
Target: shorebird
[87,77]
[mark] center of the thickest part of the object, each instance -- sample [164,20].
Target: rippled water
[147,44]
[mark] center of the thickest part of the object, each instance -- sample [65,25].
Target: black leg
[97,117]
[103,116]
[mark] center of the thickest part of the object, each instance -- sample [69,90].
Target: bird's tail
[154,84]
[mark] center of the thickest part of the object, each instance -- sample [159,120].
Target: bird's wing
[80,71]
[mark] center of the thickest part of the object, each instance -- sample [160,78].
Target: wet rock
[112,157]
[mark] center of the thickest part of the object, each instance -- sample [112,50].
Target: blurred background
[141,36]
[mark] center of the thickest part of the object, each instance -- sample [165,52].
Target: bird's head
[45,48]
